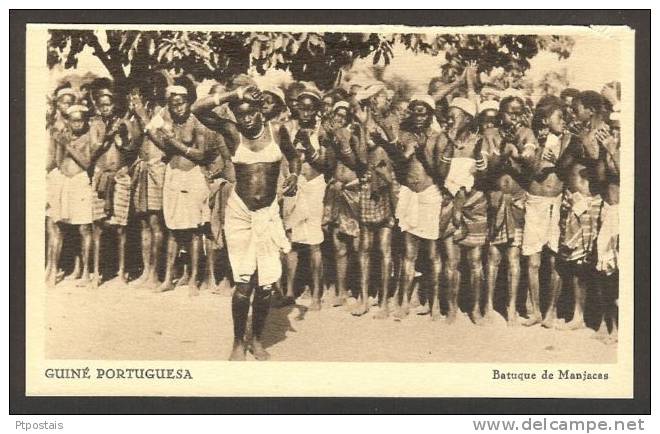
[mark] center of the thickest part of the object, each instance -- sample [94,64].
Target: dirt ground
[118,322]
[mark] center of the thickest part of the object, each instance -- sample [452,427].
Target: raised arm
[204,107]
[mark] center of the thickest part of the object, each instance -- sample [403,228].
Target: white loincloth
[419,213]
[608,240]
[461,174]
[69,198]
[254,241]
[303,213]
[184,196]
[541,224]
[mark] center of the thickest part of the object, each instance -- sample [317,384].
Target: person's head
[549,116]
[249,117]
[308,108]
[580,176]
[512,111]
[400,108]
[375,96]
[421,112]
[177,103]
[489,93]
[328,103]
[272,102]
[587,105]
[461,114]
[76,116]
[488,114]
[340,114]
[105,103]
[568,94]
[64,98]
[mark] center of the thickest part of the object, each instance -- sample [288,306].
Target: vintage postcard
[329,210]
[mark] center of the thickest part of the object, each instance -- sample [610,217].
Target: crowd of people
[465,178]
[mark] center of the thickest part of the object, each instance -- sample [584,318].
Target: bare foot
[435,312]
[512,318]
[152,282]
[223,288]
[373,301]
[193,288]
[93,283]
[185,278]
[120,279]
[602,331]
[238,352]
[144,277]
[258,351]
[534,318]
[399,313]
[339,301]
[165,286]
[306,293]
[422,309]
[477,318]
[550,320]
[451,317]
[51,280]
[361,309]
[576,323]
[315,305]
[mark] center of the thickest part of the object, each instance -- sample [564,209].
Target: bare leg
[555,289]
[476,277]
[513,281]
[209,281]
[146,240]
[157,235]
[97,228]
[172,247]
[366,245]
[385,250]
[453,277]
[433,300]
[260,307]
[121,246]
[86,251]
[494,259]
[291,260]
[316,260]
[75,274]
[240,306]
[55,247]
[533,296]
[577,322]
[341,262]
[195,247]
[410,251]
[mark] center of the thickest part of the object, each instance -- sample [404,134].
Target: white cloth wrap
[254,241]
[541,224]
[303,213]
[69,198]
[461,174]
[419,213]
[607,241]
[184,195]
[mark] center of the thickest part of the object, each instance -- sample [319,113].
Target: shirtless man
[111,183]
[303,213]
[511,149]
[371,108]
[148,179]
[463,223]
[544,197]
[582,206]
[607,242]
[185,190]
[253,227]
[72,200]
[65,97]
[416,159]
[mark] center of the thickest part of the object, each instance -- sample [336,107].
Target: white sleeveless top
[271,153]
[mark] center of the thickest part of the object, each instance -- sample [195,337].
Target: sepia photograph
[333,200]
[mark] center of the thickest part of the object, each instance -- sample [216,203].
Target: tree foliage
[318,57]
